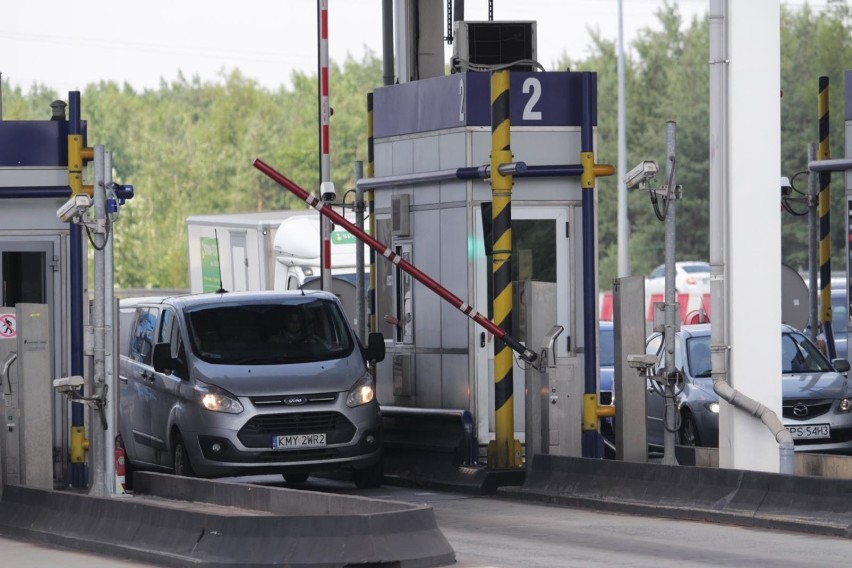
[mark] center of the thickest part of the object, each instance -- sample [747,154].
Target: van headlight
[217,400]
[361,392]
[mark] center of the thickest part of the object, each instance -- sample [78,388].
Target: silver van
[246,383]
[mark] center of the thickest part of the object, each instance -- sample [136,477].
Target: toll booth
[442,224]
[35,248]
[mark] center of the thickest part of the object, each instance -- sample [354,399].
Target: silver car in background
[816,395]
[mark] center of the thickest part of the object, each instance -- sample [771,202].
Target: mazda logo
[800,410]
[300,400]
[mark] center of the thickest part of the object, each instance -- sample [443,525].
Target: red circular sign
[8,326]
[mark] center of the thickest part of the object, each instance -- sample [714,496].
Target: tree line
[187,146]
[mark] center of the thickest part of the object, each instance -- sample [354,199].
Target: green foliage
[188,146]
[667,78]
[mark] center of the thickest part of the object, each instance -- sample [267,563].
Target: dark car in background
[606,347]
[816,395]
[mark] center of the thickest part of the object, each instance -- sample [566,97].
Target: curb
[175,521]
[769,500]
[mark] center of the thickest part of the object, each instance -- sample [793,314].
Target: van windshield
[269,334]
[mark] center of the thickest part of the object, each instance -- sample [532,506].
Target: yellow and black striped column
[504,451]
[824,209]
[371,207]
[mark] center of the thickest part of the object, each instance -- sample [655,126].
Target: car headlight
[712,407]
[217,400]
[845,405]
[361,392]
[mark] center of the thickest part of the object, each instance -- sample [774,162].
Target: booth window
[24,278]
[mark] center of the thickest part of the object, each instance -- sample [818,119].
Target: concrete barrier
[801,503]
[174,521]
[445,432]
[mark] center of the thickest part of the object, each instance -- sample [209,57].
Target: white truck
[274,250]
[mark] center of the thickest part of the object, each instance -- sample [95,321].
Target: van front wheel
[181,459]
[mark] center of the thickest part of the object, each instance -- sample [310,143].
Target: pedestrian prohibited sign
[8,326]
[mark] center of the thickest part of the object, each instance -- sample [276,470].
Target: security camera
[786,186]
[327,191]
[68,384]
[641,174]
[74,208]
[642,362]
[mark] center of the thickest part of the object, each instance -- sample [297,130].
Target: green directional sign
[210,269]
[342,238]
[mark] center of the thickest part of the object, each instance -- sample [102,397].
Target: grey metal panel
[403,157]
[452,149]
[429,381]
[427,304]
[629,335]
[426,149]
[546,147]
[577,235]
[426,193]
[36,424]
[382,158]
[456,386]
[31,215]
[454,272]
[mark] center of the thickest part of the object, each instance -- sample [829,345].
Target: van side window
[142,338]
[170,333]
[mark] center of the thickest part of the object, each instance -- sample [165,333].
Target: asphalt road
[489,532]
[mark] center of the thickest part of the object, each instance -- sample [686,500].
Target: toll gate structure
[428,135]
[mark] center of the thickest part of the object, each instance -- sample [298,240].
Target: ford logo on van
[295,400]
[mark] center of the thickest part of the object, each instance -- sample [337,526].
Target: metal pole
[592,441]
[623,220]
[505,450]
[110,314]
[387,42]
[359,257]
[371,205]
[98,379]
[325,161]
[813,246]
[77,475]
[672,310]
[526,354]
[824,153]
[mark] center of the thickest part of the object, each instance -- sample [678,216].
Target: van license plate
[812,432]
[298,441]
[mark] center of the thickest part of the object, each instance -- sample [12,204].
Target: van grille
[281,399]
[258,431]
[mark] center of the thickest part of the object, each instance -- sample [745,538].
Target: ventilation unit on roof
[493,43]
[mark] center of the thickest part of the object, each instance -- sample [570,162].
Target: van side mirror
[841,365]
[376,347]
[163,362]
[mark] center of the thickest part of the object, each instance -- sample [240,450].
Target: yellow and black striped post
[824,209]
[371,207]
[504,451]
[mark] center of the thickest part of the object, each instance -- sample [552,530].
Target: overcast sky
[65,45]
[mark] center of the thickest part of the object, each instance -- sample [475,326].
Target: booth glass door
[539,252]
[29,275]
